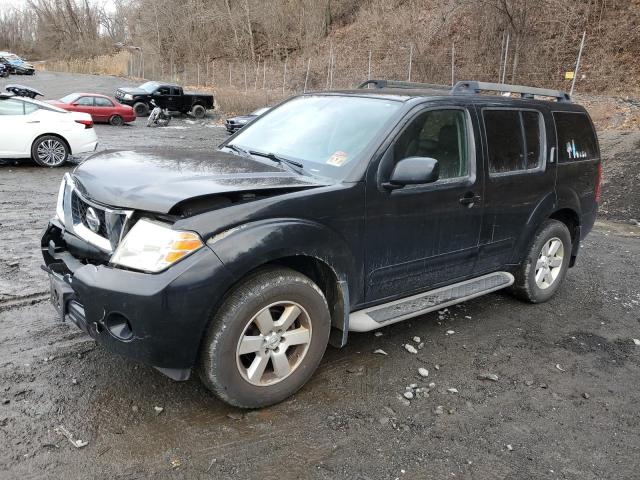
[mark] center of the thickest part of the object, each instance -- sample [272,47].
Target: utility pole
[284,76]
[306,77]
[453,62]
[575,73]
[506,57]
[410,61]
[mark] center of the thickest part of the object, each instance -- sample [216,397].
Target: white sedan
[47,134]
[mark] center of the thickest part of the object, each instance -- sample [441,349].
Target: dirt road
[565,404]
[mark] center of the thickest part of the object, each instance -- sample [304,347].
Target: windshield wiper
[292,164]
[237,149]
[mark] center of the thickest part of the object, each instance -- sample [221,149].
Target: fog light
[119,326]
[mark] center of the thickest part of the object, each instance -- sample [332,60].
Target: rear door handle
[469,199]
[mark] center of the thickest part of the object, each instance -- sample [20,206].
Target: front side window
[11,107]
[515,140]
[326,133]
[438,134]
[163,91]
[576,138]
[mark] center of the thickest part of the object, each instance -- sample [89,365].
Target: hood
[157,180]
[133,91]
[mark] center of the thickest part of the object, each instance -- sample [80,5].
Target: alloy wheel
[549,264]
[274,343]
[52,152]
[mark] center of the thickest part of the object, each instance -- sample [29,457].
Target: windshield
[326,133]
[69,98]
[149,87]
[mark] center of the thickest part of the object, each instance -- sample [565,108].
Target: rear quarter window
[576,138]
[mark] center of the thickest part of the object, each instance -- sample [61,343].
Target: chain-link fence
[344,68]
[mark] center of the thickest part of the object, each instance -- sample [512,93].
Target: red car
[100,107]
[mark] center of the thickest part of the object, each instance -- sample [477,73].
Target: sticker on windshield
[337,159]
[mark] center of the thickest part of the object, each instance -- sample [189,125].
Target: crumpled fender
[246,247]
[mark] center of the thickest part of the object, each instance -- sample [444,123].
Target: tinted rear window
[576,138]
[515,140]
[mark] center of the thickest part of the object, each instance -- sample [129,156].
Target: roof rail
[401,84]
[473,87]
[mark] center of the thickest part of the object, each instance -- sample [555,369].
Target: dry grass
[235,101]
[116,64]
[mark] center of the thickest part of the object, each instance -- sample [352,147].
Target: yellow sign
[568,75]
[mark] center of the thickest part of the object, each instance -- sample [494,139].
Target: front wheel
[545,266]
[141,109]
[49,151]
[266,340]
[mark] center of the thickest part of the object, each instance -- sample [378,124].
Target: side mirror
[413,171]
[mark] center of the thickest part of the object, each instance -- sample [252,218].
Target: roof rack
[472,87]
[401,84]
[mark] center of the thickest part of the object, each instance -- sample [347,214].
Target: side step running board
[396,311]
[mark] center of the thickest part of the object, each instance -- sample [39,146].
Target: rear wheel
[141,109]
[545,266]
[49,151]
[266,340]
[198,111]
[116,121]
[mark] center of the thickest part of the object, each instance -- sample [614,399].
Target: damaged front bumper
[157,319]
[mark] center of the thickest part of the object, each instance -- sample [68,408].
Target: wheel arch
[571,219]
[306,247]
[336,291]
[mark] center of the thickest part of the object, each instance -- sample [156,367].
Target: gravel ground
[565,403]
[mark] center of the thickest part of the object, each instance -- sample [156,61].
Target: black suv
[333,212]
[165,95]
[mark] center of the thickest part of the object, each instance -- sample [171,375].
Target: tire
[141,109]
[198,111]
[542,271]
[272,293]
[50,151]
[116,121]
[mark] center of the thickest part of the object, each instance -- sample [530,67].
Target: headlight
[243,121]
[128,96]
[60,203]
[152,247]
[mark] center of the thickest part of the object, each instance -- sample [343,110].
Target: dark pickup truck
[167,95]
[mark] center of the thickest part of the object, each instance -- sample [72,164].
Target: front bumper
[167,312]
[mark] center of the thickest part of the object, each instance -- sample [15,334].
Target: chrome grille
[112,222]
[79,213]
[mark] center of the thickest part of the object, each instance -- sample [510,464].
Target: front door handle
[34,121]
[469,199]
